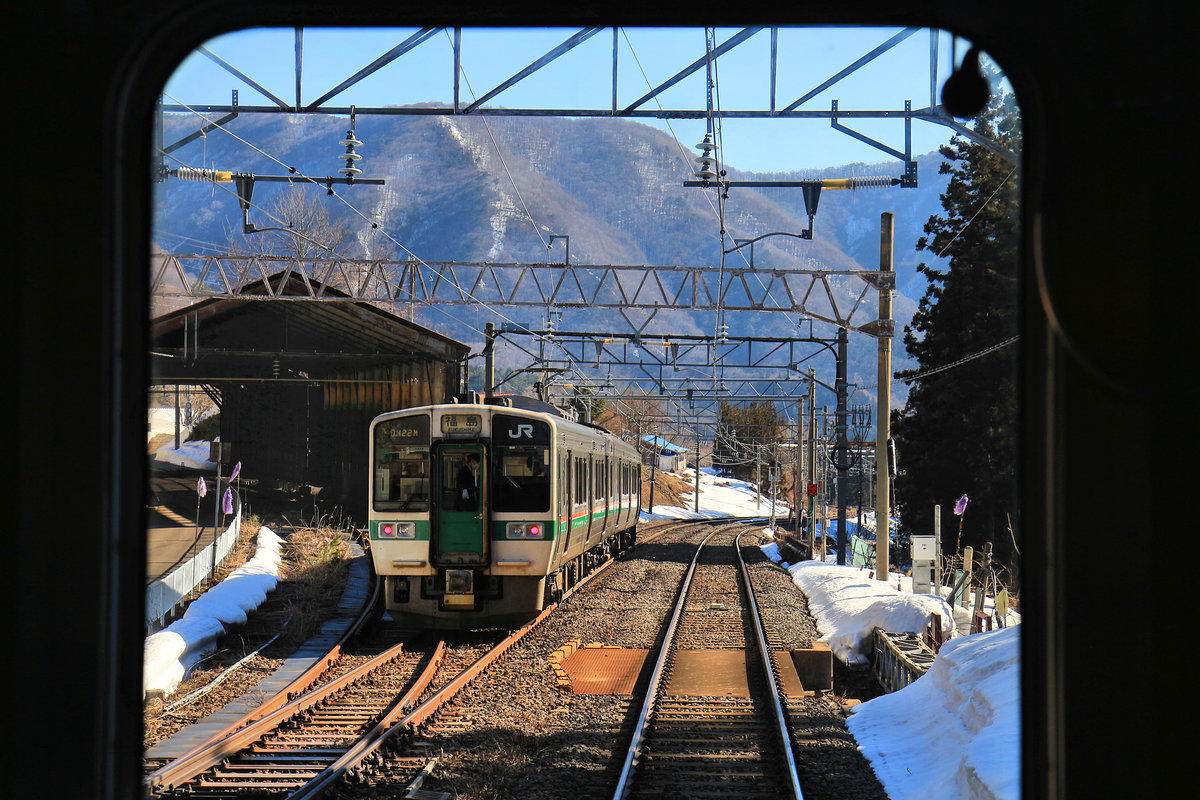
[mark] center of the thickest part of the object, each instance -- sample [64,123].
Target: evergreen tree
[747,438]
[957,433]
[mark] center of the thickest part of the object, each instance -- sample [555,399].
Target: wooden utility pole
[883,478]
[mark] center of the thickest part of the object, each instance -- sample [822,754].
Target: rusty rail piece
[191,764]
[293,701]
[412,721]
[172,772]
[402,717]
[655,690]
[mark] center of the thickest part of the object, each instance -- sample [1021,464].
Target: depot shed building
[298,381]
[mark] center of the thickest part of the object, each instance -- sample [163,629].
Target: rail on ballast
[639,736]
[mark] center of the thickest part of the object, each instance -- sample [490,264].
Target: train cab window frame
[521,464]
[401,480]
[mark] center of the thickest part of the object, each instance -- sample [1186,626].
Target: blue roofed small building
[671,457]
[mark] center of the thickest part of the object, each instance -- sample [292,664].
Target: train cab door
[460,531]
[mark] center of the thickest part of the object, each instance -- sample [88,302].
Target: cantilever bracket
[909,179]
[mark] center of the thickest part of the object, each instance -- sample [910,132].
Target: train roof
[552,415]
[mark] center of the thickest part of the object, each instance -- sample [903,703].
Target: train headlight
[397,530]
[526,530]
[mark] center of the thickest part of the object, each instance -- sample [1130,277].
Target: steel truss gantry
[652,367]
[832,296]
[414,48]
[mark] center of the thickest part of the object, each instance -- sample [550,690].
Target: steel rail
[639,731]
[192,764]
[381,732]
[184,768]
[375,739]
[781,725]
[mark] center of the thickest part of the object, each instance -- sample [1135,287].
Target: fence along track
[712,746]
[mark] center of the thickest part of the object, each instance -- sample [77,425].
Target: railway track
[301,746]
[713,723]
[379,733]
[314,737]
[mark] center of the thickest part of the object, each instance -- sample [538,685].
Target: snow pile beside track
[173,651]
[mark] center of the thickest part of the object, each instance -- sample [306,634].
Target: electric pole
[882,475]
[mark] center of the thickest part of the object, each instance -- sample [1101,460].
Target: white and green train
[482,515]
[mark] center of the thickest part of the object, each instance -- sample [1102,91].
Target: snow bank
[719,497]
[173,651]
[956,732]
[189,454]
[848,605]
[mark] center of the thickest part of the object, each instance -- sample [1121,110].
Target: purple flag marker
[961,506]
[227,505]
[237,470]
[201,488]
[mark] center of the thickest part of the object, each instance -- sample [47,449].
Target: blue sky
[582,78]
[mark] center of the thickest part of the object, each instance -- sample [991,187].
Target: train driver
[467,481]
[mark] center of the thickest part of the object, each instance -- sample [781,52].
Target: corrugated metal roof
[322,337]
[663,444]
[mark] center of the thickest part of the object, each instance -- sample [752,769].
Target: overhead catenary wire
[500,155]
[713,125]
[450,280]
[417,259]
[978,211]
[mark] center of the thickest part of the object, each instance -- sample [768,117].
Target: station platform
[172,535]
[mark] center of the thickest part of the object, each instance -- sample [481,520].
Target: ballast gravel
[517,733]
[528,737]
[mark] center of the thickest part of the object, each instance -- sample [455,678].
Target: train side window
[581,482]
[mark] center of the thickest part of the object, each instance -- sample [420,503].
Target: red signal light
[388,530]
[535,530]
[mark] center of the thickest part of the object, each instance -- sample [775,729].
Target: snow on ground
[719,497]
[952,734]
[190,454]
[955,732]
[193,455]
[170,653]
[849,604]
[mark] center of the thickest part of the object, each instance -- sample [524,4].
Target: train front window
[401,468]
[521,479]
[520,464]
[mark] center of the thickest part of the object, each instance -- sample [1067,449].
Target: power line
[960,362]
